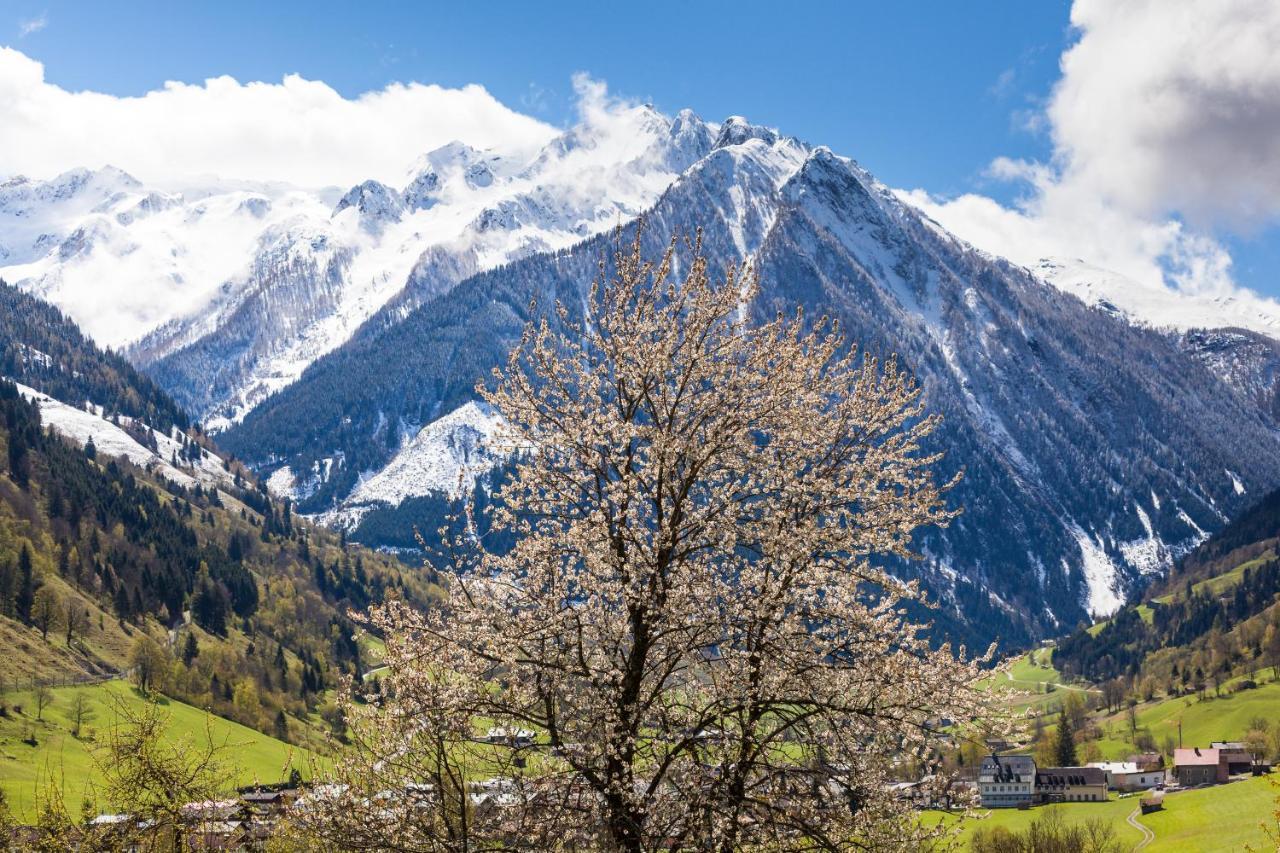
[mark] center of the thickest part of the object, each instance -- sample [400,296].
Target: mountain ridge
[1122,403]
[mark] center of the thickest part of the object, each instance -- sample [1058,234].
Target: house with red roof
[1197,766]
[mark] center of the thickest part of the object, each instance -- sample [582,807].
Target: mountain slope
[1160,306]
[41,347]
[1216,616]
[113,531]
[1095,451]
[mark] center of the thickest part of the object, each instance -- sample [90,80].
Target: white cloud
[1174,107]
[297,131]
[32,25]
[1165,126]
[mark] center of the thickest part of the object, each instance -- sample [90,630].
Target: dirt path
[1147,835]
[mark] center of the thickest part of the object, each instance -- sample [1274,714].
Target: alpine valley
[331,339]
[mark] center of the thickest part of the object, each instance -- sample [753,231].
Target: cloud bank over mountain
[297,131]
[1166,129]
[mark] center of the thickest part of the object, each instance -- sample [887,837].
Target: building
[1007,781]
[1196,766]
[1147,760]
[514,738]
[1129,775]
[1237,756]
[1071,785]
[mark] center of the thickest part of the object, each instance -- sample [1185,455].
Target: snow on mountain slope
[1159,307]
[122,259]
[228,291]
[1095,449]
[444,457]
[112,440]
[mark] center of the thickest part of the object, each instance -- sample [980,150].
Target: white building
[1128,776]
[1007,781]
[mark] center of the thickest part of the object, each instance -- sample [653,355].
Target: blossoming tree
[691,626]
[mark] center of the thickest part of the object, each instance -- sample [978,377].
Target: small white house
[1128,776]
[517,738]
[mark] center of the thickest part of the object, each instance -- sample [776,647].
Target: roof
[1070,776]
[1017,762]
[1195,756]
[1116,767]
[1007,766]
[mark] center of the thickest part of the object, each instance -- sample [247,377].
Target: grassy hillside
[1229,717]
[1031,682]
[232,601]
[1220,819]
[61,757]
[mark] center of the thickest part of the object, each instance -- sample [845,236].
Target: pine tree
[26,594]
[19,462]
[1065,747]
[190,649]
[281,725]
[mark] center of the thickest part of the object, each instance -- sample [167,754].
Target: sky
[1142,135]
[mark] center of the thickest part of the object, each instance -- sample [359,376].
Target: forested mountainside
[1246,360]
[1217,615]
[168,561]
[41,347]
[1094,451]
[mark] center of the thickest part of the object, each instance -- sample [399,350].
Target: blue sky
[926,95]
[923,97]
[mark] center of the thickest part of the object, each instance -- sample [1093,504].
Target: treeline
[41,347]
[150,567]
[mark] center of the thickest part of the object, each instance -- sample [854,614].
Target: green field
[1030,681]
[1225,718]
[1225,817]
[1222,818]
[62,758]
[1017,820]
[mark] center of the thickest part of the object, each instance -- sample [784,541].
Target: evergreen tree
[190,649]
[1065,746]
[26,594]
[281,725]
[19,462]
[209,603]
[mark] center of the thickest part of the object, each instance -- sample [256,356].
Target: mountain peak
[736,130]
[375,201]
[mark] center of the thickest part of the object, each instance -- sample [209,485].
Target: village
[1014,781]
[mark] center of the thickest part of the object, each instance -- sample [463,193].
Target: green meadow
[69,762]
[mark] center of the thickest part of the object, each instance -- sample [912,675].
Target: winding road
[1147,835]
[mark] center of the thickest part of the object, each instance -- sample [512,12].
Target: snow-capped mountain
[227,292]
[1095,449]
[338,335]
